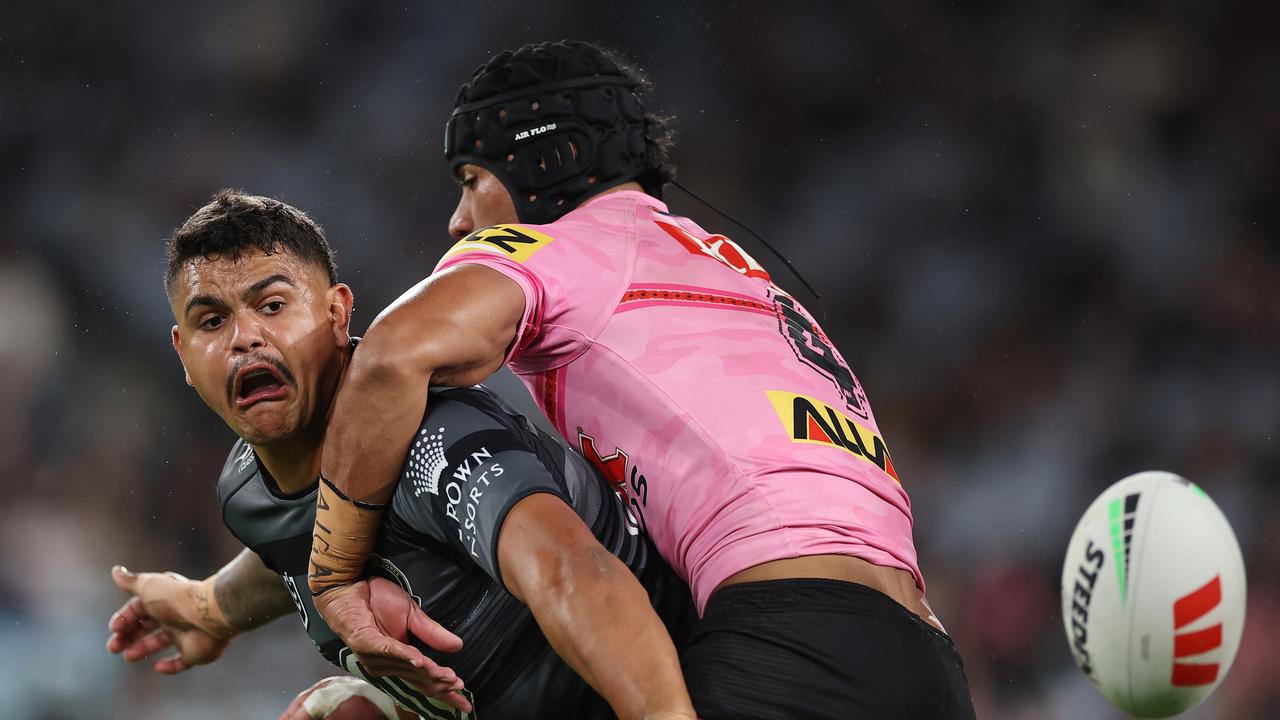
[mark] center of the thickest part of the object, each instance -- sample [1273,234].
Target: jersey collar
[638,196]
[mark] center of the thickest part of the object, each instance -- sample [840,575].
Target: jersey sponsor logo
[514,241]
[716,247]
[633,490]
[465,491]
[1186,610]
[1081,597]
[427,462]
[813,348]
[810,420]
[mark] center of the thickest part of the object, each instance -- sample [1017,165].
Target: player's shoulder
[460,422]
[457,414]
[512,242]
[465,406]
[521,242]
[240,467]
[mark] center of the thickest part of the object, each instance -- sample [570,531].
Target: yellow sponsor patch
[514,241]
[809,420]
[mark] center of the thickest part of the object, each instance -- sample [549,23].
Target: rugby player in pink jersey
[731,425]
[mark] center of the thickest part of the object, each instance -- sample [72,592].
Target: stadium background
[1046,236]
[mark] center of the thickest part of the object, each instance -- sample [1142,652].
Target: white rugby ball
[1153,594]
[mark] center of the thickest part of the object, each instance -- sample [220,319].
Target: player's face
[484,202]
[262,341]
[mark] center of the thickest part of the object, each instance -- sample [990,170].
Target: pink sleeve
[531,321]
[571,285]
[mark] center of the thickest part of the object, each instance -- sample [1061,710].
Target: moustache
[245,360]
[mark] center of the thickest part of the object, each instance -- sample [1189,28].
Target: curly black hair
[235,222]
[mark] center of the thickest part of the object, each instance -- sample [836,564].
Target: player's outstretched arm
[453,328]
[450,329]
[197,618]
[593,611]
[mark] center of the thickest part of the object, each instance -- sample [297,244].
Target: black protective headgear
[556,123]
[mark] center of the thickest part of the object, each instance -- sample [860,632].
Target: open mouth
[259,384]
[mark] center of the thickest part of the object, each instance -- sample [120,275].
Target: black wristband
[358,503]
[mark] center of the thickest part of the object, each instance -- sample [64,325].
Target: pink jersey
[729,422]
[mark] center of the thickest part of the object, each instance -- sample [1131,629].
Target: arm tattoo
[250,594]
[202,606]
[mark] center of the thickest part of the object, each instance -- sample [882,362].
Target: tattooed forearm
[249,594]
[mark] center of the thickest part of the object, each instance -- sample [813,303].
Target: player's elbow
[550,560]
[548,557]
[563,578]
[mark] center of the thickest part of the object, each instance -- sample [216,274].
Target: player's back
[706,392]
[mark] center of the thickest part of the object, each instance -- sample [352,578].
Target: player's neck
[294,467]
[631,185]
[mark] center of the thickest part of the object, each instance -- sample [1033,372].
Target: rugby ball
[1153,594]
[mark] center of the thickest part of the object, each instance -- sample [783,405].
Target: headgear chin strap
[553,144]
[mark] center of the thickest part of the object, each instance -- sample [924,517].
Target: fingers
[457,700]
[371,615]
[373,644]
[147,645]
[119,642]
[128,623]
[428,677]
[431,632]
[130,615]
[123,579]
[171,665]
[397,613]
[443,684]
[439,679]
[437,689]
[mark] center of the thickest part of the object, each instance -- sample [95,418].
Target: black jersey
[473,458]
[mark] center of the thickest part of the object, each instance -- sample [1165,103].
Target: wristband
[344,536]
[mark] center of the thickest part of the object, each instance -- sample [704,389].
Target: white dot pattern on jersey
[426,462]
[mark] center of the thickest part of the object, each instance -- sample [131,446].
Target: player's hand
[376,618]
[163,612]
[341,698]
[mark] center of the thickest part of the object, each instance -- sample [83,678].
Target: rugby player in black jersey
[505,537]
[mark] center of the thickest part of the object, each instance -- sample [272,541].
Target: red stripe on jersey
[685,297]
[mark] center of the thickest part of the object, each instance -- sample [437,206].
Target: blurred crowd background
[1046,236]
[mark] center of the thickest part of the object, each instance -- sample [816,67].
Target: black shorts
[813,648]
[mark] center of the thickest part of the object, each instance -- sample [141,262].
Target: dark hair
[234,223]
[659,130]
